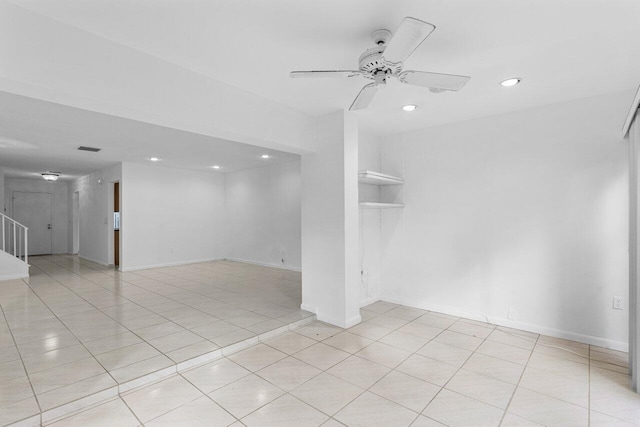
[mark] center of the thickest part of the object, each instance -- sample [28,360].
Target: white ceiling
[563,49]
[49,135]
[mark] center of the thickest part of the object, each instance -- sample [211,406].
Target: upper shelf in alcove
[377,178]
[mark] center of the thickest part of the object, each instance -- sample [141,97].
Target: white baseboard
[264,264]
[339,322]
[368,301]
[529,327]
[308,308]
[93,260]
[170,264]
[352,322]
[14,276]
[332,320]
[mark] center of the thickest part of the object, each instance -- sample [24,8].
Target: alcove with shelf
[380,180]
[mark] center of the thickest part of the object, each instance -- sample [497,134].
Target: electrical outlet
[512,314]
[617,303]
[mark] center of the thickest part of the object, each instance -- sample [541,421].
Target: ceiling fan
[386,60]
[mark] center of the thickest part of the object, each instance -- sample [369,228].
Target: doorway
[33,210]
[116,224]
[76,223]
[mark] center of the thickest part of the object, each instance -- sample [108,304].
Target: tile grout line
[160,295]
[495,327]
[145,308]
[35,396]
[118,273]
[79,340]
[207,395]
[589,392]
[536,343]
[368,389]
[458,370]
[120,394]
[128,407]
[518,384]
[412,354]
[118,385]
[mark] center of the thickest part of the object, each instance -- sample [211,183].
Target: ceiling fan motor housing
[372,61]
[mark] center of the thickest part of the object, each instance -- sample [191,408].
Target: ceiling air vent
[92,149]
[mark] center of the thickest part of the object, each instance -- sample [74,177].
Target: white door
[33,210]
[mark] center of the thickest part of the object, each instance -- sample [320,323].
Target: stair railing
[15,238]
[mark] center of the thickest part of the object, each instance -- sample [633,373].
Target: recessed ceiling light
[511,82]
[154,159]
[265,156]
[409,107]
[215,167]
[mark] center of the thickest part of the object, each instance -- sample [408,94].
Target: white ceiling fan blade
[433,80]
[406,39]
[327,73]
[364,98]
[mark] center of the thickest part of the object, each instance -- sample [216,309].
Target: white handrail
[14,228]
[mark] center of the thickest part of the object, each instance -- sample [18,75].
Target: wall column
[2,210]
[634,258]
[330,241]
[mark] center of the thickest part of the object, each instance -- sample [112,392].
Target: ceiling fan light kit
[386,59]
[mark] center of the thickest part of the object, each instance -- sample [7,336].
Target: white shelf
[380,205]
[377,178]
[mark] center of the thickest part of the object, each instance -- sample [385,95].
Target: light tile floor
[401,366]
[74,328]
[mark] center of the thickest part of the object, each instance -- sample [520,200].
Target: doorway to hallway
[116,224]
[76,223]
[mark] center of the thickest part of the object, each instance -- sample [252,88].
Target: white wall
[263,215]
[2,207]
[170,216]
[12,267]
[59,191]
[370,222]
[524,211]
[66,65]
[96,205]
[330,282]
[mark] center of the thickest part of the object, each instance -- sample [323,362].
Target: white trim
[54,414]
[170,264]
[93,260]
[14,276]
[353,321]
[558,333]
[339,322]
[632,113]
[264,264]
[332,320]
[308,308]
[368,301]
